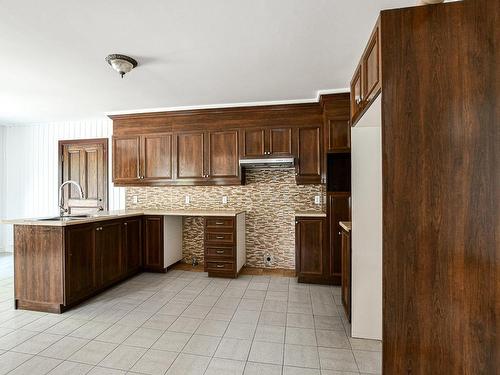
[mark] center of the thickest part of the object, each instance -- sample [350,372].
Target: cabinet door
[132,244]
[356,95]
[371,68]
[156,157]
[223,157]
[346,273]
[190,155]
[126,159]
[309,155]
[153,243]
[311,255]
[109,251]
[253,143]
[280,141]
[337,210]
[80,262]
[339,135]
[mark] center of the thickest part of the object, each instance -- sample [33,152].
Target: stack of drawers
[220,246]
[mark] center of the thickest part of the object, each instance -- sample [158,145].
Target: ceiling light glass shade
[121,63]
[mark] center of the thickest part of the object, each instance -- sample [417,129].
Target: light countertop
[310,213]
[347,225]
[110,215]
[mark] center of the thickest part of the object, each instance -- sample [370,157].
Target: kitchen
[262,237]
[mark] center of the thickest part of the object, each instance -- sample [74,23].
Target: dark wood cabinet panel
[153,243]
[356,95]
[309,155]
[126,159]
[338,209]
[253,142]
[190,155]
[220,246]
[339,135]
[132,244]
[280,141]
[81,275]
[156,157]
[109,252]
[346,272]
[310,249]
[371,67]
[223,155]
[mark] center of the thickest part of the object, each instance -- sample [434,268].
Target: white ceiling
[190,53]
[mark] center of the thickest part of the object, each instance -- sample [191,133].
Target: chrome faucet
[63,210]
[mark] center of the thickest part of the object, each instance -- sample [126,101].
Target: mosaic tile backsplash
[270,199]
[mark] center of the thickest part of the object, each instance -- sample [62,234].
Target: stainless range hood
[265,163]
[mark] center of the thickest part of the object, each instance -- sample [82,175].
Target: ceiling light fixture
[121,63]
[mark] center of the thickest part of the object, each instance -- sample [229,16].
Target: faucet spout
[63,210]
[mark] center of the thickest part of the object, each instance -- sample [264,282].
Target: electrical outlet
[317,199]
[224,199]
[187,199]
[135,199]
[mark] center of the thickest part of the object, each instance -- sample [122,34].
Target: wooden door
[126,157]
[356,95]
[132,244]
[86,162]
[156,157]
[309,155]
[80,272]
[311,255]
[338,209]
[109,251]
[223,157]
[253,143]
[190,156]
[371,68]
[280,141]
[153,243]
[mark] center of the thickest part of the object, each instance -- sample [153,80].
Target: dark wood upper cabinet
[153,243]
[339,135]
[80,270]
[126,156]
[190,155]
[109,252]
[336,122]
[310,249]
[309,155]
[156,157]
[253,142]
[223,155]
[356,95]
[280,141]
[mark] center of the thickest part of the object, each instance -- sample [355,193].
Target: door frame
[95,141]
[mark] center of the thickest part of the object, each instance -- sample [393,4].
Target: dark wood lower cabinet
[338,208]
[108,248]
[153,244]
[346,272]
[132,244]
[311,251]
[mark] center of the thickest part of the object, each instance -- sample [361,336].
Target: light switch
[224,199]
[317,199]
[135,199]
[187,199]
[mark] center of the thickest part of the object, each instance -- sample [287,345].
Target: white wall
[29,184]
[2,182]
[366,159]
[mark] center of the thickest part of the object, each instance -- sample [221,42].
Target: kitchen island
[59,263]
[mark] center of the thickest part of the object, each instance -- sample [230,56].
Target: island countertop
[118,214]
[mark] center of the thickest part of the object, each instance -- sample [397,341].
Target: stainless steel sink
[64,218]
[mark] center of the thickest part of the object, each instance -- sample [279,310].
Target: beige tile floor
[186,323]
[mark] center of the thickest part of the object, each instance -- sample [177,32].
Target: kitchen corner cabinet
[309,154]
[266,142]
[142,159]
[311,253]
[366,82]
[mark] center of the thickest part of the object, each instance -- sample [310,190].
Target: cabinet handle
[125,224]
[220,251]
[219,223]
[220,266]
[219,237]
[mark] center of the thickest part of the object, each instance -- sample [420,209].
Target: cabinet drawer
[219,223]
[220,266]
[219,237]
[216,252]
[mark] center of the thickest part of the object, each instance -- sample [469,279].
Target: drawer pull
[219,223]
[220,237]
[220,266]
[220,251]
